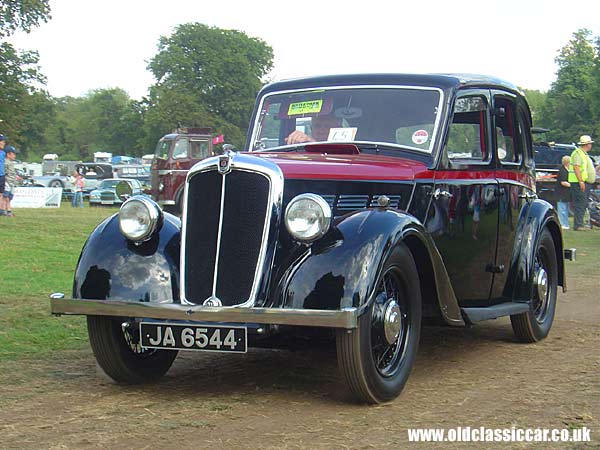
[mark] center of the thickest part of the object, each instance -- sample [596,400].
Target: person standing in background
[2,174]
[563,192]
[581,176]
[10,178]
[77,200]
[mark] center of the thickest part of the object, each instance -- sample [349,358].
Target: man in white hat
[581,176]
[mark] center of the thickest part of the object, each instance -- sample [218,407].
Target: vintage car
[380,202]
[106,194]
[92,173]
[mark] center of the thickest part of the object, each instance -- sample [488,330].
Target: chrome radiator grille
[226,215]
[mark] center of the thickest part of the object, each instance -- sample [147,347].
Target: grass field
[39,250]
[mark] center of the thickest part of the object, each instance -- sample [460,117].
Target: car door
[515,175]
[463,214]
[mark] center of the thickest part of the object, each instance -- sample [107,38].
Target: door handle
[441,193]
[528,196]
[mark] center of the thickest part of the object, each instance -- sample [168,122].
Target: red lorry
[175,154]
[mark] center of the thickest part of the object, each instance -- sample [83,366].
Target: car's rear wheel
[56,184]
[116,347]
[535,324]
[376,358]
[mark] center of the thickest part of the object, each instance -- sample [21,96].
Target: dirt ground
[478,376]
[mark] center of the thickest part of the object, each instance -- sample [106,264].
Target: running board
[492,312]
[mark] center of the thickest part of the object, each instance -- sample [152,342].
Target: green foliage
[570,108]
[536,100]
[103,120]
[209,77]
[22,15]
[19,72]
[206,76]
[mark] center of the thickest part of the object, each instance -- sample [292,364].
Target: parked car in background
[548,157]
[175,154]
[92,173]
[133,171]
[105,193]
[381,202]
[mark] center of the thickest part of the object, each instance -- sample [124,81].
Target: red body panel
[344,167]
[302,165]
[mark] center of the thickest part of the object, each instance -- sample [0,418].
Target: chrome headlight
[307,217]
[139,218]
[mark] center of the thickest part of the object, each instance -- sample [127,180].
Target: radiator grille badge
[212,301]
[225,162]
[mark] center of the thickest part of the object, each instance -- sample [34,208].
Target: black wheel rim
[388,357]
[542,303]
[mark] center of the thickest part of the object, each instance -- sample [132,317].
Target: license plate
[169,336]
[106,202]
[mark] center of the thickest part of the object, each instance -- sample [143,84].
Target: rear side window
[181,149]
[508,133]
[199,149]
[466,134]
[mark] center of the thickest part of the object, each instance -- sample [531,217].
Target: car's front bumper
[345,318]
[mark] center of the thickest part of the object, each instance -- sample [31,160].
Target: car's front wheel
[56,184]
[534,325]
[376,358]
[116,347]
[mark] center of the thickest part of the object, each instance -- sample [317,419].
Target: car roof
[119,179]
[440,80]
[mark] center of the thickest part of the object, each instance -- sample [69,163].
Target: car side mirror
[123,190]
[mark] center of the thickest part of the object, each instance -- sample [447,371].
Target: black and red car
[363,206]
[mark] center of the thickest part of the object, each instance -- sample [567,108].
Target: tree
[536,101]
[219,71]
[22,15]
[19,73]
[39,114]
[103,120]
[570,103]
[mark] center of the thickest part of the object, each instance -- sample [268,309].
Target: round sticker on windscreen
[420,137]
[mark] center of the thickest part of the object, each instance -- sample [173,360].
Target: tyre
[535,324]
[376,358]
[56,184]
[118,352]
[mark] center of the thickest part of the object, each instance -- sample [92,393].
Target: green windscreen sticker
[313,106]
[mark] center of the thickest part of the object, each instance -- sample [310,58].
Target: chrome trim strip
[345,318]
[247,163]
[166,202]
[434,134]
[219,236]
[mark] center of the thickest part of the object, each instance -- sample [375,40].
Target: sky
[93,44]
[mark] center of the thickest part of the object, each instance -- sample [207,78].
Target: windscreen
[404,117]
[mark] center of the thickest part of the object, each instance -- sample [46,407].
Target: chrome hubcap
[541,281]
[392,322]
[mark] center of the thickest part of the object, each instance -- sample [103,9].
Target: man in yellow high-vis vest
[581,176]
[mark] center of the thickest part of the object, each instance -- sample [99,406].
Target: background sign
[36,197]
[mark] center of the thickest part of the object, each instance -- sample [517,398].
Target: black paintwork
[474,248]
[112,268]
